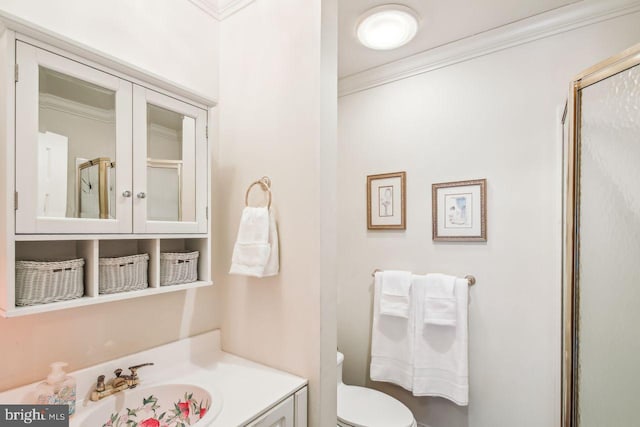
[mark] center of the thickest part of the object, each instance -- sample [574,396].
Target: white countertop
[248,389]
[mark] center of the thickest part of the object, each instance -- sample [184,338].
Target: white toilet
[364,407]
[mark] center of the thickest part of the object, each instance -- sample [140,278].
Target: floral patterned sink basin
[167,405]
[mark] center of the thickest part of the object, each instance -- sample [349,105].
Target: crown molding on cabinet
[221,9]
[548,24]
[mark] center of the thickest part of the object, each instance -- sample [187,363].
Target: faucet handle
[134,369]
[100,383]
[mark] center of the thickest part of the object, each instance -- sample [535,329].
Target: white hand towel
[440,301]
[441,366]
[256,250]
[391,344]
[394,298]
[272,268]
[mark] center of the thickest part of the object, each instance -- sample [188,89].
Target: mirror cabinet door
[170,155]
[73,145]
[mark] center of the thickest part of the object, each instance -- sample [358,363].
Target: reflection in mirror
[165,188]
[76,147]
[171,174]
[96,193]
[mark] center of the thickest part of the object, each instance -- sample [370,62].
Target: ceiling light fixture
[387,27]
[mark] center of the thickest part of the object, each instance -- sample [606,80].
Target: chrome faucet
[119,383]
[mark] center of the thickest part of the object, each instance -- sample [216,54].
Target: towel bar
[471,279]
[265,184]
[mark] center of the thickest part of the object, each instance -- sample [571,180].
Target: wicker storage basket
[178,267]
[41,282]
[127,273]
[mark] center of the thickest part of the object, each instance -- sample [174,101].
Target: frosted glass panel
[609,255]
[164,192]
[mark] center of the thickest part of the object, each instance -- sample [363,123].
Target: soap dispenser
[58,389]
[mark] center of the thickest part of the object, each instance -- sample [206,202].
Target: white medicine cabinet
[99,164]
[97,154]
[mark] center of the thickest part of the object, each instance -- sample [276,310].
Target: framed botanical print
[459,211]
[386,201]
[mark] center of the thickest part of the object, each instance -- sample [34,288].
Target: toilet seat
[364,407]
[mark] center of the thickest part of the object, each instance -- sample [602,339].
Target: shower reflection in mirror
[164,183]
[76,147]
[171,160]
[95,190]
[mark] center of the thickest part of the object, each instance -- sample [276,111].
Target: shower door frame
[571,248]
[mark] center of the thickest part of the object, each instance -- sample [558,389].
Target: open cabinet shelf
[86,300]
[91,250]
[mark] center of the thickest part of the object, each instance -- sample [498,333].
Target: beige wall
[89,335]
[493,117]
[86,336]
[172,39]
[276,121]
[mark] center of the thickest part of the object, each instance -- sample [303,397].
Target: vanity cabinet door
[279,416]
[170,174]
[301,407]
[73,146]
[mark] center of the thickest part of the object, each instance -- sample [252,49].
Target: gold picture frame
[386,201]
[459,211]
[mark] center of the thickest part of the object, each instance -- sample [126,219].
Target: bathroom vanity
[242,393]
[98,160]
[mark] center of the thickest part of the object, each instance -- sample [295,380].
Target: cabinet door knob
[126,193]
[141,195]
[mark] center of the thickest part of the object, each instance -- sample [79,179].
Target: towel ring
[265,184]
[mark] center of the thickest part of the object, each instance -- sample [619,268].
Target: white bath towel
[441,361]
[440,300]
[394,296]
[391,344]
[256,250]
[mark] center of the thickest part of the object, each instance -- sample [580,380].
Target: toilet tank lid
[340,358]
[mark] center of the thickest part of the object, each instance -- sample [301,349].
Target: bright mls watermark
[34,415]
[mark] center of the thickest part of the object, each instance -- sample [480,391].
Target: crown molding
[221,9]
[159,131]
[568,18]
[52,102]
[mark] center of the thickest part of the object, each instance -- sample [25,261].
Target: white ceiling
[441,22]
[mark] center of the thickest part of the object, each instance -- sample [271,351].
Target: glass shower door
[607,251]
